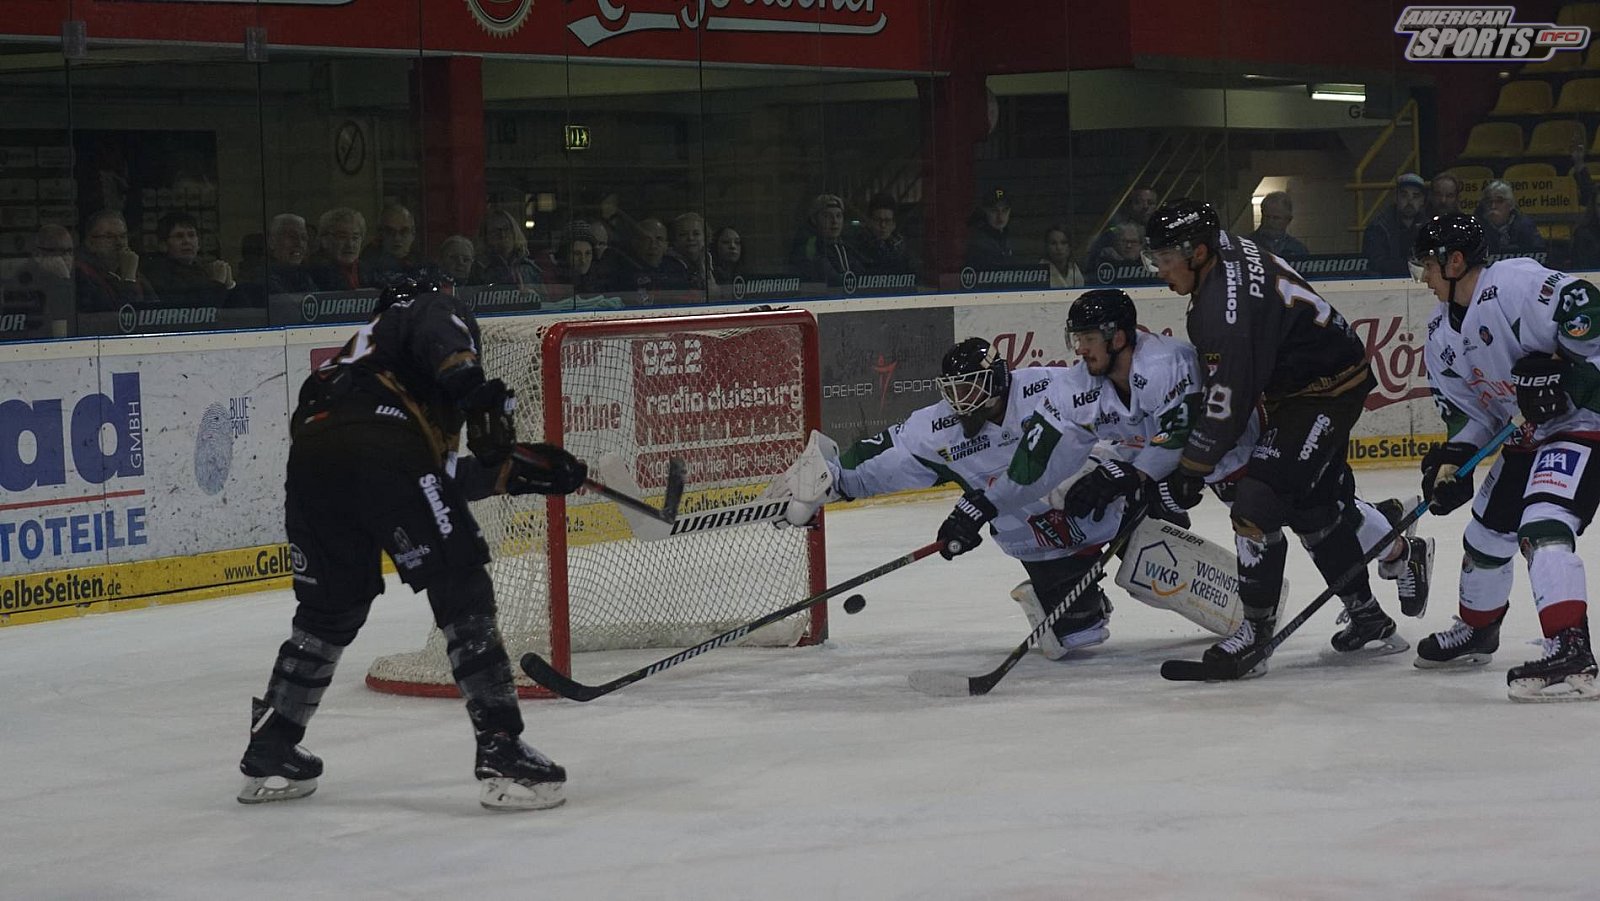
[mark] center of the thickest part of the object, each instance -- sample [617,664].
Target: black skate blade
[543,673]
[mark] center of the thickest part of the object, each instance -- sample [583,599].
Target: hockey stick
[954,685]
[669,502]
[540,670]
[1200,671]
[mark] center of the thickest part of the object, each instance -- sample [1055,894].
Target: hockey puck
[854,603]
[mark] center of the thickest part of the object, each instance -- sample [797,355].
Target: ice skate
[1566,672]
[1225,655]
[1412,573]
[275,766]
[515,776]
[1368,632]
[1459,646]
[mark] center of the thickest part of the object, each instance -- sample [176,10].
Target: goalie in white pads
[1509,336]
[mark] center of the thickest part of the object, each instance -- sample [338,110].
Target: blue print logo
[104,435]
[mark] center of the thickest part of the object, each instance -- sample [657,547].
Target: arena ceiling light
[1343,93]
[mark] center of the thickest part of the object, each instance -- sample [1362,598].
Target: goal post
[735,396]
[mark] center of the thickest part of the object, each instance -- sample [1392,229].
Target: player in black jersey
[373,468]
[1265,337]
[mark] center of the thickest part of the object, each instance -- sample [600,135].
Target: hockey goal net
[735,397]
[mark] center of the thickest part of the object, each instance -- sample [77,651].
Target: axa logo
[103,434]
[1486,34]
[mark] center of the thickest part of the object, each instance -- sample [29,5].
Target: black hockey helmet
[403,289]
[1105,310]
[1180,224]
[972,375]
[1446,234]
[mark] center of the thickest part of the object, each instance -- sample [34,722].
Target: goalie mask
[974,378]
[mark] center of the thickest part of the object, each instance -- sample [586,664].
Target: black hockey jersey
[1262,334]
[390,372]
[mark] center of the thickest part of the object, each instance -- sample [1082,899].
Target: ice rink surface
[815,773]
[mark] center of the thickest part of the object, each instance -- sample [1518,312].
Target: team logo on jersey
[1578,326]
[1484,335]
[1489,293]
[1485,34]
[1138,382]
[1558,469]
[1213,361]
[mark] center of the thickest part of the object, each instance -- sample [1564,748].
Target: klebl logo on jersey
[103,434]
[1035,388]
[1085,398]
[1483,34]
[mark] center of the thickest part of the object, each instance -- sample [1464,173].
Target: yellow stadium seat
[1562,61]
[1580,14]
[1526,171]
[1581,95]
[1494,139]
[1556,137]
[1556,231]
[1523,98]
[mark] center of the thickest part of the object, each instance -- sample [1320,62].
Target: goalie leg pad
[1172,568]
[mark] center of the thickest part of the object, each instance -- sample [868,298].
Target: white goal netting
[735,397]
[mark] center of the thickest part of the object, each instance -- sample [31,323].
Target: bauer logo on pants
[1558,469]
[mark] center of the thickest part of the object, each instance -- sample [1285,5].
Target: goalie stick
[1200,671]
[540,670]
[954,685]
[668,513]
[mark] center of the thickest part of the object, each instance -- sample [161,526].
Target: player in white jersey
[1507,337]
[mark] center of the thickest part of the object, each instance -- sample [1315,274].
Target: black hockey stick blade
[668,513]
[1200,671]
[951,685]
[540,670]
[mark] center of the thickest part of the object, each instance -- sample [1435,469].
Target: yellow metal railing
[1176,167]
[1362,186]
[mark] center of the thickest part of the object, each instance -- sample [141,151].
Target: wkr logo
[1442,34]
[106,435]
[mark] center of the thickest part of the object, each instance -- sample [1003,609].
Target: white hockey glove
[809,482]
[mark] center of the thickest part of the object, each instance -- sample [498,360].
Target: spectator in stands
[1505,228]
[1389,236]
[1141,202]
[458,259]
[1585,250]
[41,288]
[1277,211]
[651,268]
[576,266]
[389,258]
[1064,271]
[727,255]
[988,232]
[287,243]
[506,260]
[179,275]
[1444,195]
[1126,245]
[689,245]
[820,253]
[107,271]
[880,247]
[340,231]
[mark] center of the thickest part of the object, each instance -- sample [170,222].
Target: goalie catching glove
[541,469]
[809,482]
[963,528]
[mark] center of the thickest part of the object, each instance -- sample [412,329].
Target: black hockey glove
[1092,494]
[491,421]
[1440,488]
[1539,392]
[542,469]
[1179,492]
[963,528]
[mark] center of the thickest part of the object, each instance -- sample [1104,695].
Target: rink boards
[148,469]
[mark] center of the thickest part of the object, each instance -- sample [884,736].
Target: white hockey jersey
[1521,308]
[1055,419]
